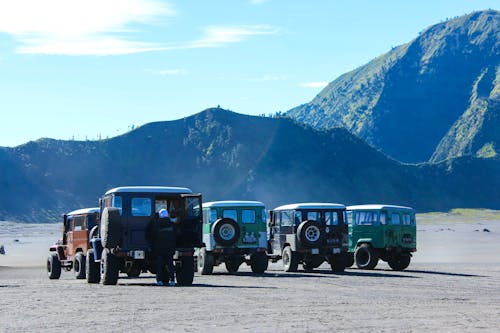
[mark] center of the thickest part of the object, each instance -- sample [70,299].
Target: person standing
[162,234]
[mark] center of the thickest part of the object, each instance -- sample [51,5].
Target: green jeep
[381,232]
[234,232]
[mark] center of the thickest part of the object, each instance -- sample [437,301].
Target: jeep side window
[366,218]
[248,216]
[160,204]
[348,217]
[193,207]
[331,218]
[315,216]
[230,213]
[141,207]
[395,219]
[78,223]
[90,221]
[213,215]
[298,217]
[286,221]
[116,201]
[383,218]
[406,219]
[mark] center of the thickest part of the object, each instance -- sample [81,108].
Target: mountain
[225,155]
[434,98]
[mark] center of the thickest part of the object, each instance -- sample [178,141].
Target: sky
[83,70]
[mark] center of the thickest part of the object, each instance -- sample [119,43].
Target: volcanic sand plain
[452,285]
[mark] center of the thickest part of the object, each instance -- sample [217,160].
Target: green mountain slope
[406,102]
[226,155]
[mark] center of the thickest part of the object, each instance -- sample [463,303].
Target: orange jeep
[69,252]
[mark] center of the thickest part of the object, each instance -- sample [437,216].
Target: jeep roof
[84,211]
[378,207]
[311,205]
[150,189]
[232,203]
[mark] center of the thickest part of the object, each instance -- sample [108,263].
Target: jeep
[121,243]
[69,252]
[384,232]
[308,234]
[234,232]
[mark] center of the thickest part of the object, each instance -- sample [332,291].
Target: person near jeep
[161,234]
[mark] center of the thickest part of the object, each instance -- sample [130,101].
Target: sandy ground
[452,285]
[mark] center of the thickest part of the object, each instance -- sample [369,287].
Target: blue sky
[83,69]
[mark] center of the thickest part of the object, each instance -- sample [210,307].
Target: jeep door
[393,231]
[366,228]
[191,223]
[335,228]
[274,232]
[408,230]
[137,213]
[79,234]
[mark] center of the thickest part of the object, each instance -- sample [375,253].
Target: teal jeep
[234,232]
[381,232]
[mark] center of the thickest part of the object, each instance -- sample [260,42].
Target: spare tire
[309,233]
[226,231]
[111,227]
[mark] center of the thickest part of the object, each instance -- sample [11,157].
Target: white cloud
[102,27]
[79,27]
[318,84]
[216,36]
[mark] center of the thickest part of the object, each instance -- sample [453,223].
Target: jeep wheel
[337,262]
[349,260]
[53,266]
[399,262]
[290,260]
[312,262]
[233,264]
[309,233]
[185,271]
[92,268]
[226,231]
[205,262]
[79,266]
[133,271]
[258,262]
[111,228]
[366,257]
[109,268]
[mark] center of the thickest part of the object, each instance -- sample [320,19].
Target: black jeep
[309,234]
[120,243]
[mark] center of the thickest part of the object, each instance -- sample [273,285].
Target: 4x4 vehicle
[308,233]
[121,243]
[384,232]
[69,252]
[234,232]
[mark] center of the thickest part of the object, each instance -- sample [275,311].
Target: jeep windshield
[328,217]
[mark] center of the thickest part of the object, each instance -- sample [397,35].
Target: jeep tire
[366,257]
[92,268]
[111,228]
[258,262]
[185,271]
[312,262]
[226,231]
[290,260]
[309,233]
[109,268]
[337,262]
[349,260]
[399,261]
[232,264]
[79,266]
[133,271]
[205,262]
[53,266]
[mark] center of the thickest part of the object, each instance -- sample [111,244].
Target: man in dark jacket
[161,235]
